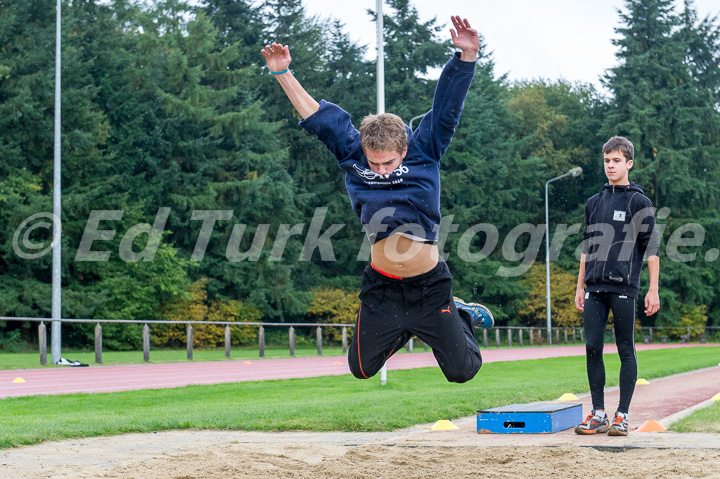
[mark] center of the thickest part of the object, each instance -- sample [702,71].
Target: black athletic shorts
[392,310]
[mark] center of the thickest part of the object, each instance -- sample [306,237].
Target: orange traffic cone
[651,426]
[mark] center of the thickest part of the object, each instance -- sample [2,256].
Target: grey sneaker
[619,426]
[593,424]
[481,316]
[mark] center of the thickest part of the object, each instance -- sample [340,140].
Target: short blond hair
[384,132]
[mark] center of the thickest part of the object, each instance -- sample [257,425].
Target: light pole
[575,172]
[416,118]
[57,212]
[380,65]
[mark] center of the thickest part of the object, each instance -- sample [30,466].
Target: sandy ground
[412,453]
[398,462]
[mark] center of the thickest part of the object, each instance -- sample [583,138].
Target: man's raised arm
[437,128]
[278,61]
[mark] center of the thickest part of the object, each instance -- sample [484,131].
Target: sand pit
[402,462]
[415,453]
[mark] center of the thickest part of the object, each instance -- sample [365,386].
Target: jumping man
[392,176]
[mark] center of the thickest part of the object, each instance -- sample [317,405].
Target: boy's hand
[466,38]
[652,303]
[277,57]
[580,300]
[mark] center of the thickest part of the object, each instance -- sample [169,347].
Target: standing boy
[392,175]
[619,232]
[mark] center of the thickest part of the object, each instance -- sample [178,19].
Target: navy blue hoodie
[412,191]
[619,231]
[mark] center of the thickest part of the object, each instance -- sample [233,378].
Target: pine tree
[660,106]
[238,23]
[27,90]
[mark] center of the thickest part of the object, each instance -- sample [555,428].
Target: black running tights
[595,317]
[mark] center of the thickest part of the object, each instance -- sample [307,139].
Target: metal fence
[504,336]
[189,329]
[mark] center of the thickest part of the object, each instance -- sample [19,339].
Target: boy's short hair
[384,132]
[621,144]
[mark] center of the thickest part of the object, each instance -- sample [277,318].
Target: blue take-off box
[529,418]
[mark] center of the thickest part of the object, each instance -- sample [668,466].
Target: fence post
[98,344]
[261,341]
[532,337]
[539,337]
[582,335]
[557,336]
[409,345]
[291,333]
[574,338]
[42,343]
[344,339]
[651,338]
[319,340]
[688,334]
[520,335]
[228,341]
[566,336]
[497,337]
[509,338]
[189,341]
[485,340]
[146,343]
[613,334]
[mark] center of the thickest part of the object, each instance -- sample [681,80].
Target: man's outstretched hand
[466,39]
[277,57]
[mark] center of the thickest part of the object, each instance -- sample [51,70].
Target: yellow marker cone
[642,382]
[337,363]
[651,426]
[247,362]
[18,380]
[715,397]
[443,425]
[568,397]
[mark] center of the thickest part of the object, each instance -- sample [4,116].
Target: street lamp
[416,118]
[575,172]
[380,66]
[57,212]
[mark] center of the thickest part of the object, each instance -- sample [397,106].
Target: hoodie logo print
[371,175]
[619,215]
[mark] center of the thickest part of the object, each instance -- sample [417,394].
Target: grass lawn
[319,404]
[704,420]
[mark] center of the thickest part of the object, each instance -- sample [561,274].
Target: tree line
[168,105]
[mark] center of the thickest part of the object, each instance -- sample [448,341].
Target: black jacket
[619,231]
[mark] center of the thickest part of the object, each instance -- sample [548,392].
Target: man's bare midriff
[400,256]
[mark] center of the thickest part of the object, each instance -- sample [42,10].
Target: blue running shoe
[481,316]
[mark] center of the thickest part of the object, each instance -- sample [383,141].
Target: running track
[97,379]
